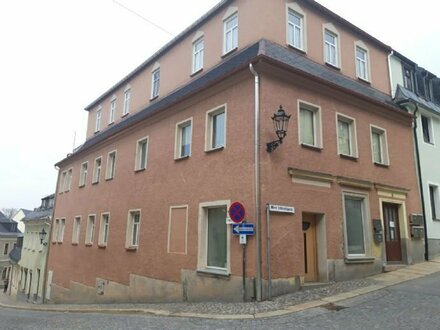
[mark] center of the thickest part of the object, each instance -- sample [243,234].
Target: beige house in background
[141,209]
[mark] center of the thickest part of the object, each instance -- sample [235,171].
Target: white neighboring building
[8,239]
[419,91]
[28,278]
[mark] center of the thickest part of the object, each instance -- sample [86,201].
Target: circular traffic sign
[237,212]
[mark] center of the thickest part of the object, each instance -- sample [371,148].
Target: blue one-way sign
[243,229]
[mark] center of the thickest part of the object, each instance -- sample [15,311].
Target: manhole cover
[333,307]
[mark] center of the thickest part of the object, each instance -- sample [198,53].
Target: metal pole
[269,275]
[258,279]
[244,272]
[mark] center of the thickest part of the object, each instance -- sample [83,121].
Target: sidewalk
[290,303]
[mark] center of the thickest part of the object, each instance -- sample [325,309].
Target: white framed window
[198,54]
[346,135]
[296,28]
[133,229]
[69,178]
[90,230]
[155,83]
[141,154]
[76,230]
[83,174]
[127,101]
[331,45]
[214,238]
[379,145]
[111,165]
[55,231]
[104,226]
[434,199]
[6,249]
[362,62]
[112,114]
[60,230]
[427,129]
[230,36]
[97,170]
[309,124]
[356,224]
[62,184]
[98,120]
[183,139]
[215,128]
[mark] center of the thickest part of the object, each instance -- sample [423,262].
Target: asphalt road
[411,305]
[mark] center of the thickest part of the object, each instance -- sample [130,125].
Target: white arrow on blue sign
[243,229]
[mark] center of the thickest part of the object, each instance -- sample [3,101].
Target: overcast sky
[57,56]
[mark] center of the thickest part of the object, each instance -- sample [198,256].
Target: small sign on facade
[281,208]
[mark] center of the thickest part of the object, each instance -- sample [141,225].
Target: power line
[144,18]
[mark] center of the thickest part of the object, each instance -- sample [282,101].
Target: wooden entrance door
[392,232]
[310,250]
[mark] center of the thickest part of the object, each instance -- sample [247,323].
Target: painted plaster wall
[429,160]
[203,177]
[252,27]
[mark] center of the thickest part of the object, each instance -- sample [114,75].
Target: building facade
[418,91]
[8,239]
[170,148]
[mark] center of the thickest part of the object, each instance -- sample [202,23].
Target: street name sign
[243,229]
[281,208]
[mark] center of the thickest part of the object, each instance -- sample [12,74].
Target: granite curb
[381,281]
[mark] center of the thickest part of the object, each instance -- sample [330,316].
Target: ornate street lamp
[42,235]
[280,122]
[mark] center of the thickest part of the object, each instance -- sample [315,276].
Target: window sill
[365,81]
[229,52]
[110,124]
[131,248]
[381,165]
[125,115]
[359,260]
[308,146]
[102,246]
[89,244]
[429,143]
[216,273]
[81,186]
[60,242]
[75,244]
[96,132]
[108,179]
[196,72]
[95,183]
[333,66]
[139,170]
[214,149]
[154,98]
[349,157]
[181,158]
[302,51]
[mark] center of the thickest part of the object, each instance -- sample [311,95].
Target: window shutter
[420,84]
[436,90]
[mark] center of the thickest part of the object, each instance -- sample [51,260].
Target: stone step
[392,267]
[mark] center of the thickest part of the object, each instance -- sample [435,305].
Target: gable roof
[262,50]
[402,93]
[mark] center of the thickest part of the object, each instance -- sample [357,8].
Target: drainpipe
[390,76]
[258,279]
[49,239]
[419,171]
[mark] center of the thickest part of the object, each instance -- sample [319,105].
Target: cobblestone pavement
[222,308]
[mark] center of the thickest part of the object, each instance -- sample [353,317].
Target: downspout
[49,239]
[390,76]
[419,172]
[258,280]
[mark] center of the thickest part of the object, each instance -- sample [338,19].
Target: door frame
[403,227]
[321,244]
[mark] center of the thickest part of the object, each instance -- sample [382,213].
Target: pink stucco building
[141,207]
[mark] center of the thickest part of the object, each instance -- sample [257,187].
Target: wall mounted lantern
[42,235]
[280,122]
